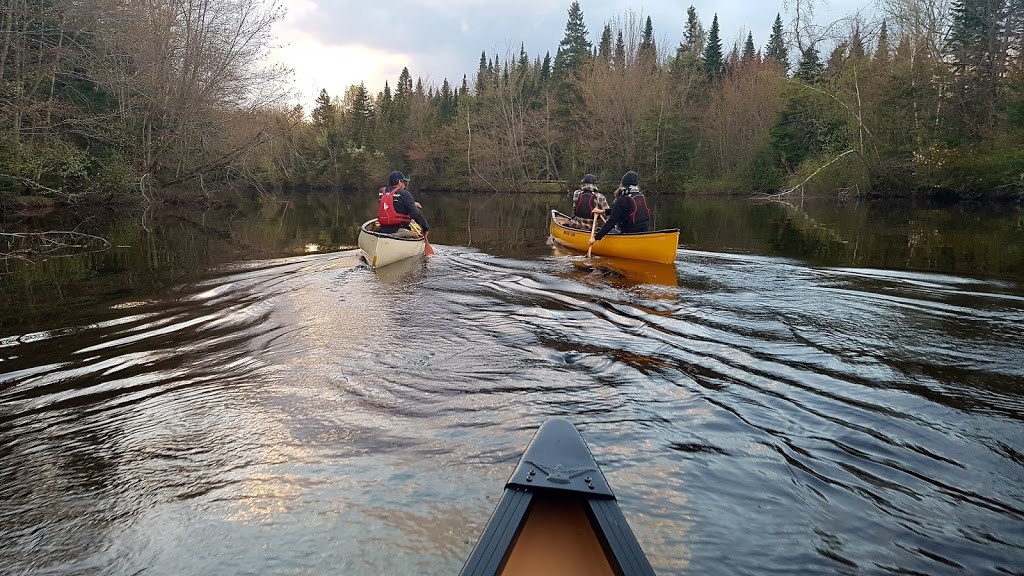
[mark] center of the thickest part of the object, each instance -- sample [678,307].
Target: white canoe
[383,249]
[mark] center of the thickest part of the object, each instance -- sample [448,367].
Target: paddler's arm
[414,209]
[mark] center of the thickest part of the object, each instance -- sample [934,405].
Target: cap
[395,177]
[589,179]
[630,178]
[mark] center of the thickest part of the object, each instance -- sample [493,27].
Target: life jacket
[387,215]
[584,205]
[640,214]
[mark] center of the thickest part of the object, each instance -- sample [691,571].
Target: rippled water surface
[309,415]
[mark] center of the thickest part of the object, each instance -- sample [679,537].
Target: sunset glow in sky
[334,44]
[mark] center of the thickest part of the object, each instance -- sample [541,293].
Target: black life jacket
[640,215]
[584,206]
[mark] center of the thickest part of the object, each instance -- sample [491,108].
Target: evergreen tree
[545,68]
[837,61]
[384,104]
[323,112]
[574,49]
[857,44]
[776,48]
[464,89]
[446,103]
[647,40]
[733,62]
[359,115]
[620,52]
[882,51]
[978,58]
[810,70]
[604,50]
[403,92]
[691,47]
[748,49]
[483,74]
[713,65]
[694,35]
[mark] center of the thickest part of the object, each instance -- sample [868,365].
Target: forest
[109,99]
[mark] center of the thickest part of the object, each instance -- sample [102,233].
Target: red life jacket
[386,213]
[584,205]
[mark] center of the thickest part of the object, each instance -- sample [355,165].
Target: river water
[830,389]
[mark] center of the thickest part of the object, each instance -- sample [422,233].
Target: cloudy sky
[334,44]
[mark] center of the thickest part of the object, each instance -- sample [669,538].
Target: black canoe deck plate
[560,475]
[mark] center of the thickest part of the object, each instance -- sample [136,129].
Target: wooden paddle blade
[427,248]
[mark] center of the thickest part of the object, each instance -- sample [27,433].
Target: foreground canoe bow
[657,246]
[557,516]
[382,249]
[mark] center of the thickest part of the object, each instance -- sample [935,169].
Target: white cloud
[334,67]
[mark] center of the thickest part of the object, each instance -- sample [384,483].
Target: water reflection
[171,409]
[622,271]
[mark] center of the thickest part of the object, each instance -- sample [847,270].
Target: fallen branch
[36,185]
[806,180]
[51,244]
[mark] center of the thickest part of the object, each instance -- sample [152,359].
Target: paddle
[427,248]
[593,229]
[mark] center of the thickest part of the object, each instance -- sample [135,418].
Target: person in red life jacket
[586,202]
[629,211]
[398,209]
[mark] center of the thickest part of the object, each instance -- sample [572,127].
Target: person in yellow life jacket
[398,210]
[630,212]
[586,202]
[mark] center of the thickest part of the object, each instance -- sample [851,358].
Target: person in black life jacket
[586,202]
[397,209]
[629,211]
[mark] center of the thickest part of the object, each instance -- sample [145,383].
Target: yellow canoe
[657,246]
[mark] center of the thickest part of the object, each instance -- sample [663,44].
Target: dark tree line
[926,95]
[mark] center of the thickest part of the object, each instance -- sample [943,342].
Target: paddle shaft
[593,229]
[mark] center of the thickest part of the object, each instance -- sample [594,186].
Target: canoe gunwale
[554,220]
[364,228]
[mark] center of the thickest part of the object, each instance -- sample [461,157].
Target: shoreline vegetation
[111,102]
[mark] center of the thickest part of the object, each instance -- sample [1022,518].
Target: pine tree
[733,62]
[574,49]
[713,65]
[359,111]
[978,57]
[403,92]
[647,40]
[810,70]
[385,104]
[604,50]
[483,74]
[882,50]
[857,44]
[620,52]
[447,104]
[691,47]
[748,49]
[323,113]
[776,48]
[545,68]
